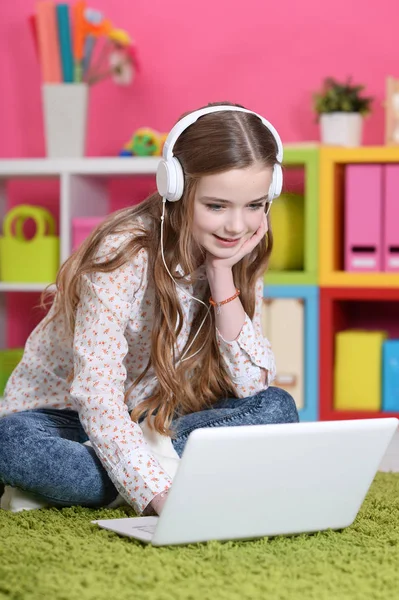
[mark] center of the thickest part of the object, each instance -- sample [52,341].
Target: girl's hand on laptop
[156,504]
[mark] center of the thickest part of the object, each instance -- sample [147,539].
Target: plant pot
[341,129]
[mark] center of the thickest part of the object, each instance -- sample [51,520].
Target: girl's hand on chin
[212,262]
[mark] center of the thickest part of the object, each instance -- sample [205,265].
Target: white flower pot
[341,129]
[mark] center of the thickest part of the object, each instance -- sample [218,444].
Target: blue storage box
[390,376]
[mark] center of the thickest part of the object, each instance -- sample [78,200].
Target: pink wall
[269,56]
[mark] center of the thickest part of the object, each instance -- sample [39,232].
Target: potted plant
[340,108]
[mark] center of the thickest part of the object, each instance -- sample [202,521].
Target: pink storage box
[391,219]
[363,217]
[82,228]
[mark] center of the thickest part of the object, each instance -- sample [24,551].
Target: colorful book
[65,43]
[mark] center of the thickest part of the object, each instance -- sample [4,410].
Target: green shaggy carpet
[59,555]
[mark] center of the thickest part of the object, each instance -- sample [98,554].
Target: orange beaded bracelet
[219,304]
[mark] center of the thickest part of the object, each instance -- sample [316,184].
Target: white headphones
[170,176]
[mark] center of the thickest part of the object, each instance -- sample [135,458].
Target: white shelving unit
[48,167]
[83,193]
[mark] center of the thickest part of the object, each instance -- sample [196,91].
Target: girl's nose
[234,225]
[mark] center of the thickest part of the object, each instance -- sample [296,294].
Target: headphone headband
[188,120]
[170,176]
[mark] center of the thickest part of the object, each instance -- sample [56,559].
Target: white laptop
[265,480]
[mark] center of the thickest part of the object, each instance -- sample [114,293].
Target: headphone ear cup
[276,185]
[162,178]
[170,179]
[178,178]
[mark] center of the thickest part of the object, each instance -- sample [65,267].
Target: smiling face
[229,208]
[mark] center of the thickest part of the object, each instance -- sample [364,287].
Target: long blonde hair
[213,144]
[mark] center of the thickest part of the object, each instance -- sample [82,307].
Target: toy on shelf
[392,112]
[144,142]
[29,260]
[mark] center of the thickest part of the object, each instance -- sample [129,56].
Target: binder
[390,218]
[363,217]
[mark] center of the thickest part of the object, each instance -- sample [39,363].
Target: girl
[155,328]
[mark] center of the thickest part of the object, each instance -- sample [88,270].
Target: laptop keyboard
[146,528]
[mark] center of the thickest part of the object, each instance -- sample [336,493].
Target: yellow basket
[34,260]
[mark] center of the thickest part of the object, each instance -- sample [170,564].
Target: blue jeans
[42,451]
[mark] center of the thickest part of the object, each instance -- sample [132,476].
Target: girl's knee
[12,428]
[14,431]
[8,434]
[280,400]
[9,427]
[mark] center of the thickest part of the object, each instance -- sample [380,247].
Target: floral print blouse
[109,349]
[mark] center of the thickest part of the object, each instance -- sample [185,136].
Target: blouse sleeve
[105,307]
[249,354]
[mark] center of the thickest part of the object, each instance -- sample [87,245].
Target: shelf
[345,308]
[84,186]
[40,167]
[309,295]
[353,279]
[23,287]
[339,415]
[304,156]
[290,278]
[332,216]
[300,152]
[362,154]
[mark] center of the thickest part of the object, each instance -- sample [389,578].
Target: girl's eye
[214,206]
[218,207]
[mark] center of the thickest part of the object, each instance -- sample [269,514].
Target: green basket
[9,359]
[34,260]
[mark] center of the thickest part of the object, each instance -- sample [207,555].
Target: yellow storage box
[358,370]
[288,227]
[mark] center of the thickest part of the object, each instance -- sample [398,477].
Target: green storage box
[8,361]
